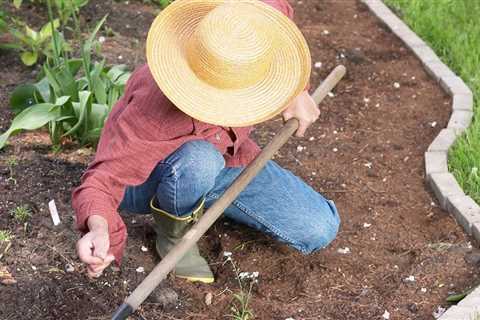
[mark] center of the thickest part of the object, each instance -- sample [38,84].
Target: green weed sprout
[21,213]
[5,236]
[240,309]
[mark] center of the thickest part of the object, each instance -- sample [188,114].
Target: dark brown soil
[366,153]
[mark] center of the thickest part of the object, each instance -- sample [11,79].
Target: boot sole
[197,279]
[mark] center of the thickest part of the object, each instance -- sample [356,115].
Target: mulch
[365,152]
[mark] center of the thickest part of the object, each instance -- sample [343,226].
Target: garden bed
[366,153]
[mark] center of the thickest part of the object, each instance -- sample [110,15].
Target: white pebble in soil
[345,250]
[386,315]
[69,268]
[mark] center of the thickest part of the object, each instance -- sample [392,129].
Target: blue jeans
[276,202]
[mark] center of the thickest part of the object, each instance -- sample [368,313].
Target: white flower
[368,165]
[300,148]
[144,249]
[335,150]
[423,290]
[140,270]
[248,275]
[318,65]
[396,85]
[326,32]
[367,225]
[101,39]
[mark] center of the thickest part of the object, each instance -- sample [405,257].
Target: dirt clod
[165,296]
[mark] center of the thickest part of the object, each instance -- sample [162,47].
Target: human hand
[303,108]
[92,248]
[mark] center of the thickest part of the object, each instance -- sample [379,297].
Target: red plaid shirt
[143,128]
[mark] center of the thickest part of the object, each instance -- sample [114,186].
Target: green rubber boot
[170,230]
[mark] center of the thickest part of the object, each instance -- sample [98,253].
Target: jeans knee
[198,161]
[322,232]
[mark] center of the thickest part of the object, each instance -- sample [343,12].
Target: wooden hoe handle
[167,264]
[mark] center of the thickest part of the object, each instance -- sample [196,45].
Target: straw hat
[231,63]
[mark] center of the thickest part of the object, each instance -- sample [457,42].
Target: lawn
[451,28]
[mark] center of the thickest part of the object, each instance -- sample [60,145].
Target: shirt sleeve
[281,5]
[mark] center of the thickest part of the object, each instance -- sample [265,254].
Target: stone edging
[448,192]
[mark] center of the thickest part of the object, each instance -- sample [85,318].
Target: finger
[95,268]
[109,259]
[302,127]
[85,253]
[92,274]
[100,249]
[287,116]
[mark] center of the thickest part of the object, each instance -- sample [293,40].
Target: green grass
[21,213]
[5,236]
[452,29]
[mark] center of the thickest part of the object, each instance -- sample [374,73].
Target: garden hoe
[215,211]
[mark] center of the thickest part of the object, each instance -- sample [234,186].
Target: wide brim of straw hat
[287,75]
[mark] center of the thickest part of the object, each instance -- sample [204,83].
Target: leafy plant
[21,213]
[3,19]
[240,309]
[73,97]
[164,3]
[5,236]
[11,164]
[33,44]
[65,8]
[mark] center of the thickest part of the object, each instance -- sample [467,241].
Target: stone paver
[454,85]
[465,210]
[444,140]
[460,119]
[444,185]
[435,162]
[438,70]
[463,101]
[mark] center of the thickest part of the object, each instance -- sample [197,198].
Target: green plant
[11,163]
[3,19]
[74,96]
[5,236]
[240,309]
[65,8]
[32,44]
[21,213]
[164,3]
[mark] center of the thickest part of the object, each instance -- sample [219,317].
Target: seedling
[5,236]
[240,309]
[21,213]
[5,242]
[11,163]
